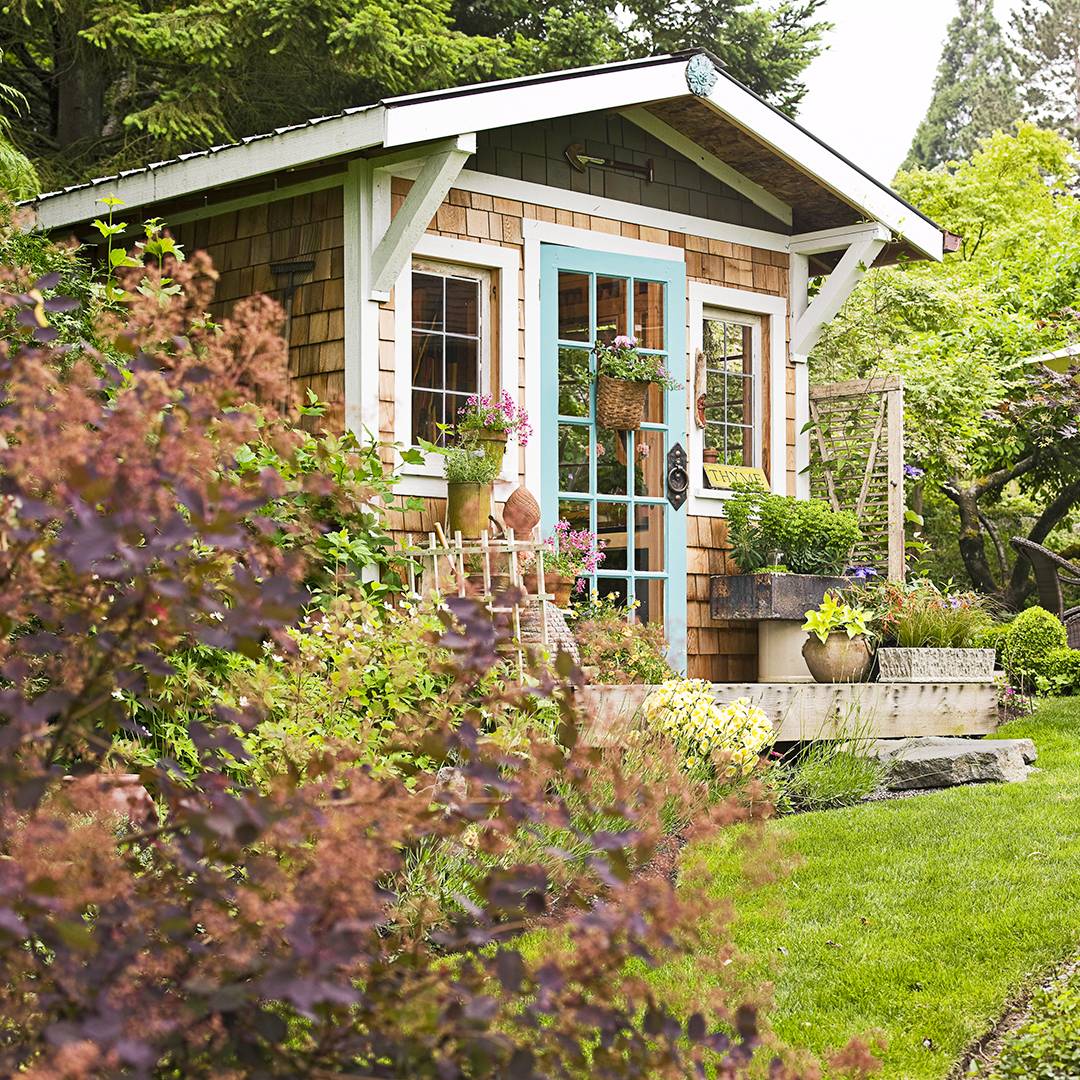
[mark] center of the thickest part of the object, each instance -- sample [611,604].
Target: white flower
[118,694]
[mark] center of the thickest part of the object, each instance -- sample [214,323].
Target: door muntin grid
[614,482]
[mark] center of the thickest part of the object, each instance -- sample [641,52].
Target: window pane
[573,457]
[649,463]
[426,413]
[649,536]
[649,594]
[452,406]
[574,382]
[427,360]
[610,461]
[611,302]
[573,307]
[427,302]
[463,364]
[649,314]
[611,528]
[463,306]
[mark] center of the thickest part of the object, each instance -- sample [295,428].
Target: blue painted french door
[615,482]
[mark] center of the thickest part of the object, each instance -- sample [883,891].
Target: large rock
[936,761]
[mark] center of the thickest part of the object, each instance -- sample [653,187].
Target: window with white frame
[728,389]
[450,343]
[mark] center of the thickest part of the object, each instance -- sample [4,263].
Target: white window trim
[502,263]
[709,502]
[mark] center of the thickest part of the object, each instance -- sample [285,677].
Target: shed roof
[689,92]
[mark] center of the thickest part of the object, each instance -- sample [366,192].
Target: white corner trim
[437,173]
[709,163]
[837,288]
[791,142]
[705,502]
[361,330]
[580,202]
[427,479]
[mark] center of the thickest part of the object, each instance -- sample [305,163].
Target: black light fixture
[579,160]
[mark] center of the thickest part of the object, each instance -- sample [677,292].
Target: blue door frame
[626,489]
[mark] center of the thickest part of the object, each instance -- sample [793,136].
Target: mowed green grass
[915,918]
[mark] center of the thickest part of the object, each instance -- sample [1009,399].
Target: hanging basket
[620,405]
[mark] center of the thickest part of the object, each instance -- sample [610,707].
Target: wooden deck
[805,711]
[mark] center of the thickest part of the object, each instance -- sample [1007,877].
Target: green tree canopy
[974,92]
[115,82]
[962,332]
[1046,37]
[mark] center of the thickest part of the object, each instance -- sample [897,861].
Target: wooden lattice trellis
[857,462]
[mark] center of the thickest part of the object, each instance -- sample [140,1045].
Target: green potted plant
[927,633]
[623,377]
[837,648]
[470,482]
[790,553]
[490,423]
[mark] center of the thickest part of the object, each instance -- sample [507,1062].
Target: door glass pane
[649,536]
[610,461]
[576,512]
[649,593]
[654,404]
[611,304]
[649,314]
[574,382]
[613,589]
[573,457]
[611,529]
[649,463]
[573,306]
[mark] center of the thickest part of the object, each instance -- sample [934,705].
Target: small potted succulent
[837,649]
[568,556]
[490,423]
[623,377]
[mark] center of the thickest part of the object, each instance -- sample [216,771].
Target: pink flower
[643,449]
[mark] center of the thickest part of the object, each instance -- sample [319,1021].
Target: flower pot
[521,512]
[558,584]
[468,508]
[838,658]
[620,405]
[493,443]
[935,665]
[710,455]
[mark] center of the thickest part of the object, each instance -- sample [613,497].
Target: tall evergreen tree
[1046,37]
[974,92]
[115,82]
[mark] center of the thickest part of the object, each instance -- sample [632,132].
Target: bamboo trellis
[857,462]
[489,568]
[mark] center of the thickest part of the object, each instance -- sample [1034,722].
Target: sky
[869,90]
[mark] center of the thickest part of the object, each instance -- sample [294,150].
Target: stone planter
[838,659]
[935,665]
[468,508]
[778,603]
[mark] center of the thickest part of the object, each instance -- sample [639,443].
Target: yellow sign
[727,476]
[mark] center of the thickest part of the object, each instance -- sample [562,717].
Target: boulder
[937,761]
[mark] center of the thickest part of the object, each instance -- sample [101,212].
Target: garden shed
[484,238]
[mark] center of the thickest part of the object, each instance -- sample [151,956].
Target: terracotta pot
[521,512]
[710,455]
[468,508]
[838,658]
[493,443]
[558,584]
[620,405]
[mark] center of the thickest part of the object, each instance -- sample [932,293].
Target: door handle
[678,479]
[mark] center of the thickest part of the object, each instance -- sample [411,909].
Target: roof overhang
[397,123]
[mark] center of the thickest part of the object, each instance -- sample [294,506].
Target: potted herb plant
[490,423]
[470,481]
[837,649]
[568,556]
[927,633]
[790,554]
[623,377]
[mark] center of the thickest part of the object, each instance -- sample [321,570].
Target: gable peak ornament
[701,74]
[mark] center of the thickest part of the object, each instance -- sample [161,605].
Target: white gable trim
[709,163]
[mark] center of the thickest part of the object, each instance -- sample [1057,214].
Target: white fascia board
[709,163]
[818,243]
[258,157]
[523,103]
[789,141]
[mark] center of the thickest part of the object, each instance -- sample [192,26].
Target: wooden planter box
[769,596]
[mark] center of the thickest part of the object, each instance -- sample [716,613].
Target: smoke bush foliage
[238,931]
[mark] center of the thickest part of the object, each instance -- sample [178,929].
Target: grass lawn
[916,918]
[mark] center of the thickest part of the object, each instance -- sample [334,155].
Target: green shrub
[1047,1045]
[805,535]
[992,636]
[1032,636]
[1062,673]
[621,651]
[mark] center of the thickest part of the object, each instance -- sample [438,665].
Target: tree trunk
[972,540]
[79,84]
[1016,590]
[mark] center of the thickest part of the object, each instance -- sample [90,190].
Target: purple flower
[913,472]
[625,341]
[861,572]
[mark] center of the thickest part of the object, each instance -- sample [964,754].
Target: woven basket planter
[620,405]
